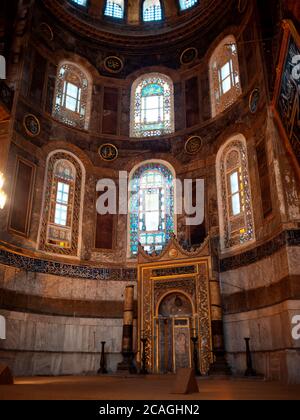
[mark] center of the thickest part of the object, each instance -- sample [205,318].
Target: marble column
[127,341]
[219,365]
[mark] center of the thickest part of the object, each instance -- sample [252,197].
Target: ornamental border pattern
[286,238]
[66,270]
[36,265]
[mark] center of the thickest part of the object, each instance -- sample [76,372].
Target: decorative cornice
[285,238]
[37,265]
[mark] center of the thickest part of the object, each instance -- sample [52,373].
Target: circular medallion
[46,31]
[254,100]
[242,6]
[113,64]
[31,125]
[108,152]
[189,55]
[173,253]
[193,145]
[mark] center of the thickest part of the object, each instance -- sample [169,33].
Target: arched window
[152,10]
[152,106]
[114,8]
[151,217]
[80,2]
[72,96]
[225,83]
[60,227]
[234,194]
[186,4]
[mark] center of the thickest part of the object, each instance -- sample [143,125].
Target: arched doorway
[173,332]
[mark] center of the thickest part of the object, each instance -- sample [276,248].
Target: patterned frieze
[285,238]
[65,270]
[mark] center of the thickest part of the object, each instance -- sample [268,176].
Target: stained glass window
[114,8]
[186,4]
[224,75]
[72,96]
[234,194]
[152,10]
[152,106]
[151,207]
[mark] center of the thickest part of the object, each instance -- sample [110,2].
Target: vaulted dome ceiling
[91,21]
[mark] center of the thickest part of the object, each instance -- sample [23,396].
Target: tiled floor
[140,388]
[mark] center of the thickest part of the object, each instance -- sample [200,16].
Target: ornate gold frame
[109,69]
[288,31]
[29,133]
[183,52]
[148,304]
[111,145]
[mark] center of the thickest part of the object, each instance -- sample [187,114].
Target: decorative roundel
[113,64]
[46,30]
[189,55]
[108,152]
[254,100]
[193,145]
[242,6]
[31,125]
[173,253]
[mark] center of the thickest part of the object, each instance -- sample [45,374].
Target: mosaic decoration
[204,323]
[287,93]
[72,96]
[31,125]
[193,145]
[224,75]
[54,238]
[151,179]
[254,100]
[35,265]
[236,228]
[108,152]
[189,56]
[113,64]
[152,106]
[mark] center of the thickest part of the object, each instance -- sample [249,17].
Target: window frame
[138,128]
[153,22]
[113,19]
[236,230]
[134,220]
